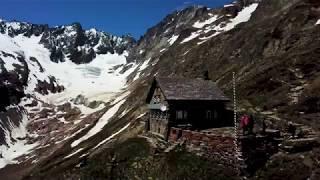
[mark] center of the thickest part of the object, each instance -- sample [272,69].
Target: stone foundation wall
[159,126]
[255,150]
[218,147]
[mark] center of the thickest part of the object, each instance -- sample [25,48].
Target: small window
[156,99]
[181,115]
[215,116]
[185,115]
[209,114]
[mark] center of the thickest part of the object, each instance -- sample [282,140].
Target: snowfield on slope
[112,136]
[173,39]
[243,16]
[97,80]
[89,79]
[141,67]
[100,124]
[199,24]
[16,143]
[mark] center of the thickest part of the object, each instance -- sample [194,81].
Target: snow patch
[163,50]
[243,16]
[207,37]
[141,51]
[112,136]
[318,22]
[173,39]
[192,36]
[143,66]
[17,144]
[199,24]
[141,115]
[124,113]
[228,5]
[104,120]
[74,153]
[120,97]
[87,110]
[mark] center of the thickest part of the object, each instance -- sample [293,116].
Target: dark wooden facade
[193,104]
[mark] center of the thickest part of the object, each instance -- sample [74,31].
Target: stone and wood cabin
[193,104]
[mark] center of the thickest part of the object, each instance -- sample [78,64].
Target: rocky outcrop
[71,41]
[64,42]
[12,83]
[9,119]
[82,100]
[80,45]
[44,87]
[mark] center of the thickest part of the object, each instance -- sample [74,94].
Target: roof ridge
[180,88]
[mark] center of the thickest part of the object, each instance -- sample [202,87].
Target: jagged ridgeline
[73,100]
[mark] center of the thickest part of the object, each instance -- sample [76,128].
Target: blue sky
[114,16]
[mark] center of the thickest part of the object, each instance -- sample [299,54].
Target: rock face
[82,46]
[11,83]
[70,41]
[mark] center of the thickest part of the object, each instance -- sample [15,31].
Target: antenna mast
[237,151]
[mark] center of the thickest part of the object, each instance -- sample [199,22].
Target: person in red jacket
[244,123]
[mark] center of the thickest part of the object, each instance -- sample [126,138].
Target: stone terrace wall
[217,147]
[256,150]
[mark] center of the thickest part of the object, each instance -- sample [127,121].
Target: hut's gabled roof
[188,89]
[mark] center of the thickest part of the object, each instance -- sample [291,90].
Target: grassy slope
[135,159]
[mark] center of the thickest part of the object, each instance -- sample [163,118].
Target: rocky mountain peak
[70,41]
[190,23]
